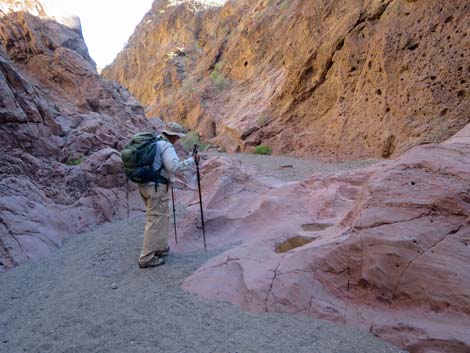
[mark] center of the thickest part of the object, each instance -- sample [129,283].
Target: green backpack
[142,159]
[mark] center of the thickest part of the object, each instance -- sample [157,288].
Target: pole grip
[195,152]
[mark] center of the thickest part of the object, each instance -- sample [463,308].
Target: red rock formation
[385,249]
[61,126]
[340,79]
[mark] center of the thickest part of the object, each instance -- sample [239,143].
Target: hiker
[156,198]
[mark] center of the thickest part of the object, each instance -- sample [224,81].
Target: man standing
[156,198]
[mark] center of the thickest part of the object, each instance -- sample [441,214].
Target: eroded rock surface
[61,126]
[338,79]
[385,248]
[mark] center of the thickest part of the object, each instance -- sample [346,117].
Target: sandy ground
[290,168]
[90,296]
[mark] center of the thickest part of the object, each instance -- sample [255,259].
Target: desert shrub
[192,138]
[217,77]
[263,149]
[74,161]
[263,119]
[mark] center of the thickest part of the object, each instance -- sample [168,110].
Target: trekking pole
[174,213]
[127,196]
[200,195]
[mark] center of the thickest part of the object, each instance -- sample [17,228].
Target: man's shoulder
[164,144]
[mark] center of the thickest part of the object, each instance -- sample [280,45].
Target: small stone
[114,286]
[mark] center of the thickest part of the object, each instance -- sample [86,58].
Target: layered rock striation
[61,126]
[385,249]
[338,79]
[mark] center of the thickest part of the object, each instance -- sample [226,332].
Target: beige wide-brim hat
[173,129]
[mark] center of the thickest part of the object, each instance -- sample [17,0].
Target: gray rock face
[61,127]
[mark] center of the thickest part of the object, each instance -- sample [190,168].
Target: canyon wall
[61,127]
[332,79]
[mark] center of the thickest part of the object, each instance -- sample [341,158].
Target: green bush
[217,77]
[74,161]
[263,149]
[192,138]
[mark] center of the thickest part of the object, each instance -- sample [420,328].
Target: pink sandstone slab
[389,246]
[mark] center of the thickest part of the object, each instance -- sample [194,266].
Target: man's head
[173,132]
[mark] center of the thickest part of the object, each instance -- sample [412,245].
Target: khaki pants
[157,223]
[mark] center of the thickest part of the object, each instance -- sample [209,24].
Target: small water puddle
[292,243]
[315,227]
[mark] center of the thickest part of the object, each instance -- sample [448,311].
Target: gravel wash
[90,296]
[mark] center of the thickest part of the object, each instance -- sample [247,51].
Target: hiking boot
[162,253]
[154,262]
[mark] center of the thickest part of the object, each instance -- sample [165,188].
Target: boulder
[384,249]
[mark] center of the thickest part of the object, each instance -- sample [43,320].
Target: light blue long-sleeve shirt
[170,160]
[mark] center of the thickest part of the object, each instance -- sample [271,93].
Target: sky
[106,24]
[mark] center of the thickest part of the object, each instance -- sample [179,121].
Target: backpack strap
[160,179]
